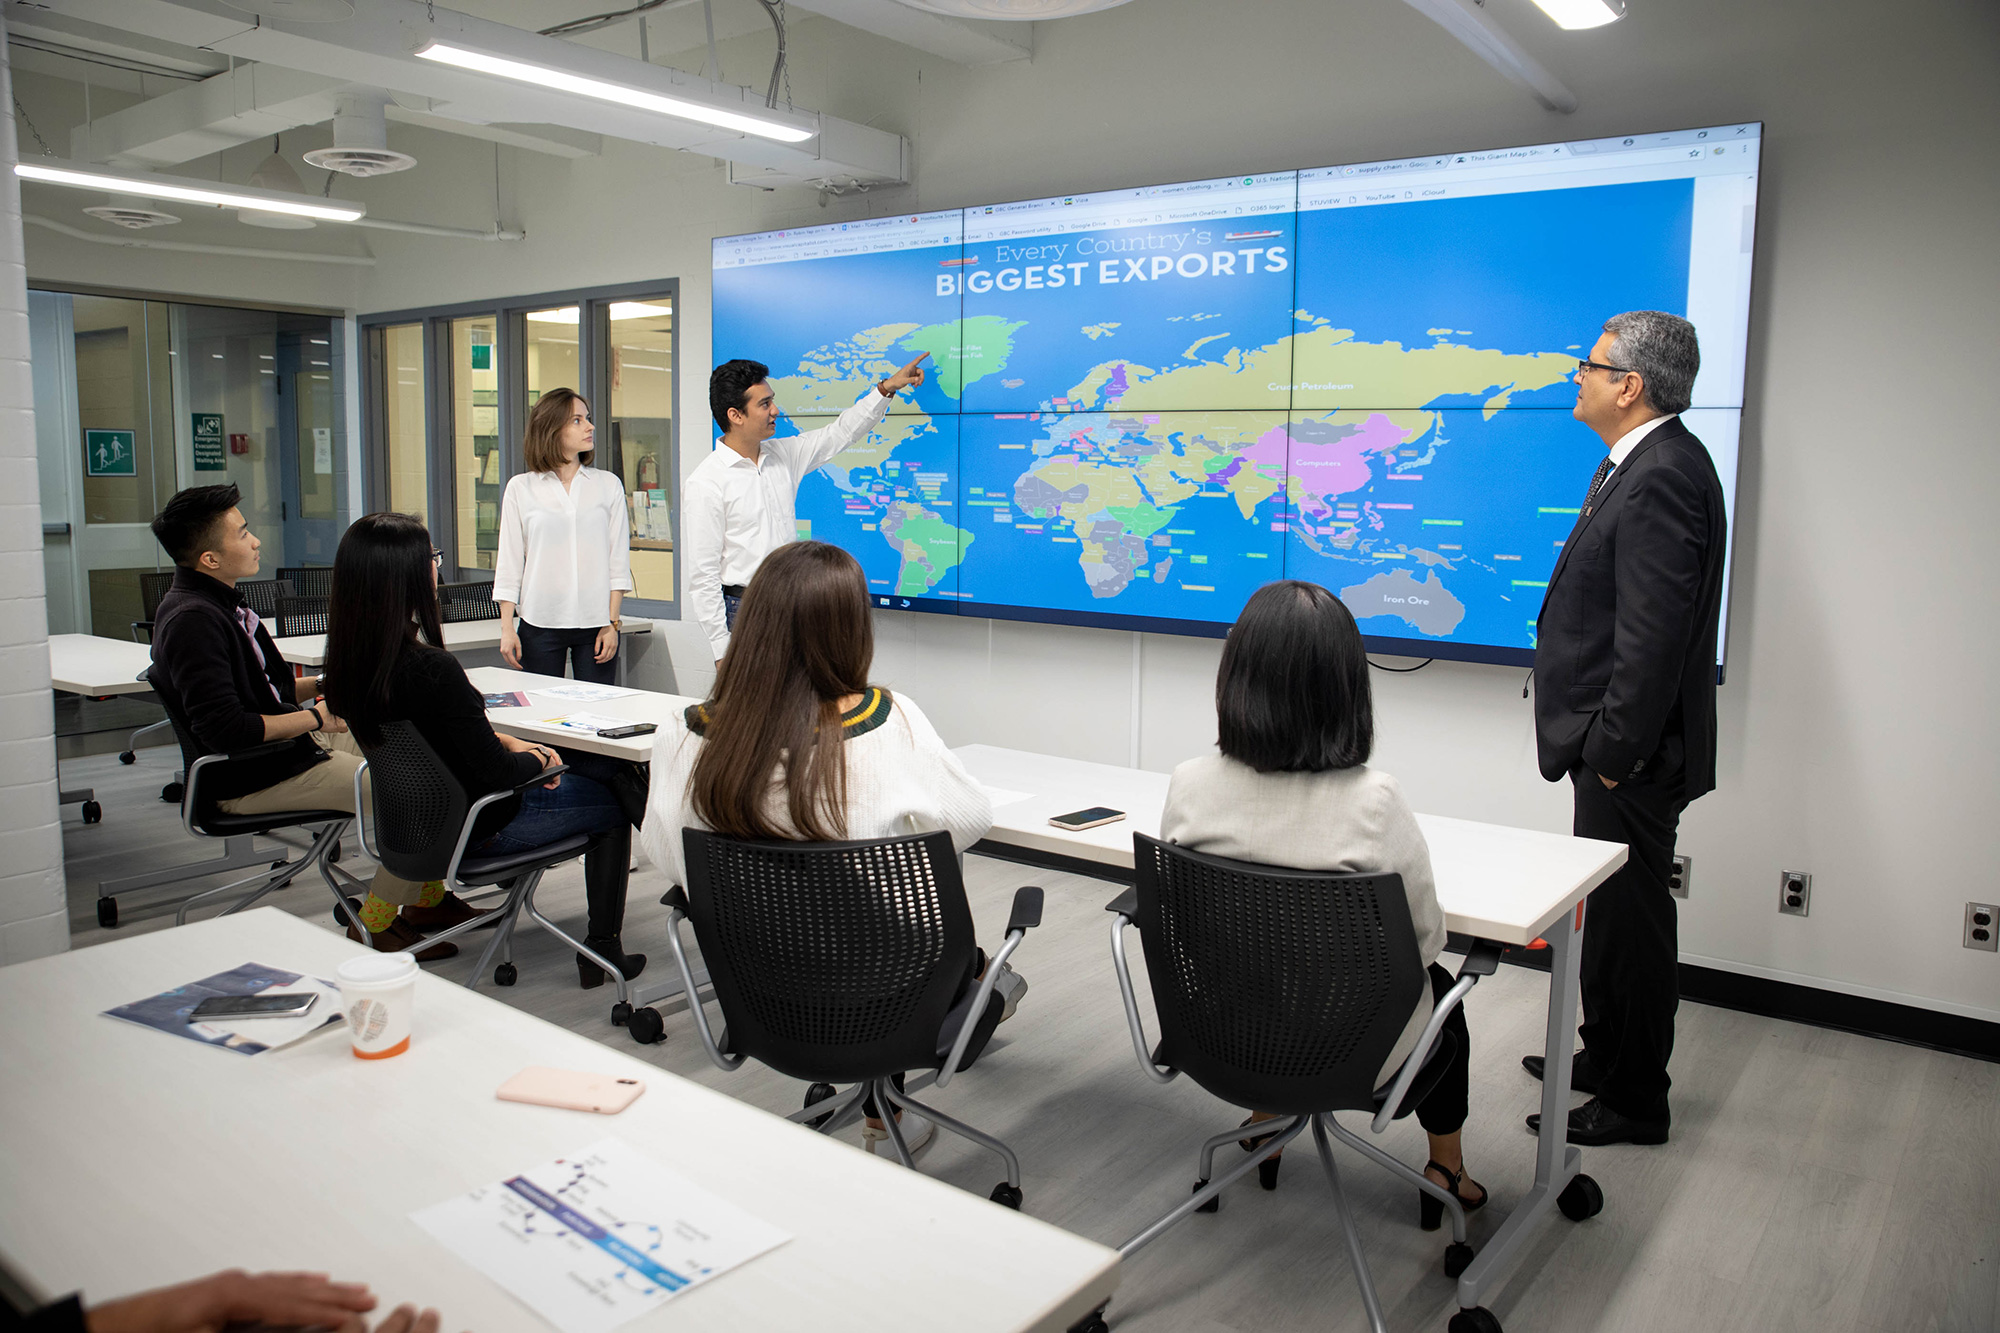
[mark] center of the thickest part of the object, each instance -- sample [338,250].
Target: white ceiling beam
[377,47]
[961,41]
[235,107]
[1468,21]
[555,140]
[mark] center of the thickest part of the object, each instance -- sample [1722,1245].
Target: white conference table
[137,1160]
[460,636]
[89,664]
[529,723]
[1494,882]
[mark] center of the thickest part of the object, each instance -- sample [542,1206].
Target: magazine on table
[169,1011]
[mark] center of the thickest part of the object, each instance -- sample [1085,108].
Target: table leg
[1555,1160]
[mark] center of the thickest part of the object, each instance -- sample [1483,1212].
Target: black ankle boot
[631,784]
[606,868]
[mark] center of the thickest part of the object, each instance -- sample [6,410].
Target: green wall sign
[110,453]
[209,455]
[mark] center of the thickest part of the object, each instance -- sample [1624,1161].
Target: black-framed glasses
[1584,367]
[437,557]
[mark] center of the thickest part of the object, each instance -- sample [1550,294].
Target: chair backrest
[153,585]
[300,615]
[309,580]
[832,961]
[1280,990]
[472,600]
[261,595]
[191,749]
[420,805]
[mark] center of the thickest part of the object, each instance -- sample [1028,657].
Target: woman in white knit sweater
[1292,787]
[795,744]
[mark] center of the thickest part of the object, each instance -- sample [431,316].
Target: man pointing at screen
[742,502]
[1625,702]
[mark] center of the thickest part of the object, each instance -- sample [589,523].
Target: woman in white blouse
[565,558]
[794,743]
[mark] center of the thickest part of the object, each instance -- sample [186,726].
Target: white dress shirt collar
[1631,440]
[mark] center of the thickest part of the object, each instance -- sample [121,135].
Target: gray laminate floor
[1816,1180]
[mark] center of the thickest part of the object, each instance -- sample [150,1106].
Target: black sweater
[206,670]
[430,689]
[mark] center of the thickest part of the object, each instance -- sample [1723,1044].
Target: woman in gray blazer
[1292,787]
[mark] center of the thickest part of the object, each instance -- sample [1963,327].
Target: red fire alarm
[239,444]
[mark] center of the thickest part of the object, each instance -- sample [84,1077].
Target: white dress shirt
[736,511]
[1629,441]
[563,549]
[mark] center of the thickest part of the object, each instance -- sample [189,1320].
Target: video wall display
[1142,405]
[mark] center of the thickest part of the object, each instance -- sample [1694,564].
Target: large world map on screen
[1142,425]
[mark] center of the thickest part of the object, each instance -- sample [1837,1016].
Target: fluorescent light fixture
[1574,14]
[148,186]
[638,309]
[569,314]
[542,76]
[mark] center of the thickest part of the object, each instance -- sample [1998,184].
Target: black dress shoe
[1582,1074]
[1593,1125]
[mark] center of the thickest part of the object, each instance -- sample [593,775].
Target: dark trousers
[546,651]
[1444,1110]
[1631,943]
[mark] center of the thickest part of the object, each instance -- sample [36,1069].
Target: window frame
[509,313]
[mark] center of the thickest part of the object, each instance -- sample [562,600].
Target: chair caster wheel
[505,975]
[646,1026]
[107,912]
[172,792]
[817,1093]
[1478,1319]
[127,757]
[621,1013]
[1581,1198]
[1213,1205]
[1458,1257]
[1091,1323]
[92,812]
[1007,1196]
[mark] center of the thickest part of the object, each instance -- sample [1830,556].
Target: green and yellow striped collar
[864,717]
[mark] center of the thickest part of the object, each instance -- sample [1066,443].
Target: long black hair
[1292,694]
[384,597]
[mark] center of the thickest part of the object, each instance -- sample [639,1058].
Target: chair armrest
[145,625]
[1027,912]
[552,771]
[1148,1063]
[676,898]
[258,751]
[1481,960]
[1126,903]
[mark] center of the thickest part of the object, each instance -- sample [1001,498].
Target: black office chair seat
[215,824]
[479,871]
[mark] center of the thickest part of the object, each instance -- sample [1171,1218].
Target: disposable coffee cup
[377,993]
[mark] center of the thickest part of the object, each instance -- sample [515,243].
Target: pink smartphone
[571,1089]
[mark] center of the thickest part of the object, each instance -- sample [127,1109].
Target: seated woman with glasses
[1292,787]
[794,744]
[385,663]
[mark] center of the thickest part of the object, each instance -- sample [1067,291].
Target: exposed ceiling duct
[1018,11]
[361,138]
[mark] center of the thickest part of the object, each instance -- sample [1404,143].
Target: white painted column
[34,918]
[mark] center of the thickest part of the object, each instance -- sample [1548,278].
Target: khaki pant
[325,786]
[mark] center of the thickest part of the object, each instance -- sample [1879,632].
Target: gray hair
[1662,348]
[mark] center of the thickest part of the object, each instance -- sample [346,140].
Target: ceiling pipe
[198,248]
[1468,21]
[452,233]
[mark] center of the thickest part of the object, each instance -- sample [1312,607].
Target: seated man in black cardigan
[214,660]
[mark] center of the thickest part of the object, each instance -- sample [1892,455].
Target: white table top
[639,706]
[459,636]
[88,664]
[1493,881]
[134,1159]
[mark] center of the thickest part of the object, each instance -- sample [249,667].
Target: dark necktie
[1603,471]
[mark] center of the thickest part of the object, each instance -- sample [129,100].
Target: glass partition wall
[464,378]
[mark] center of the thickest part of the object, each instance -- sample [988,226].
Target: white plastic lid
[378,968]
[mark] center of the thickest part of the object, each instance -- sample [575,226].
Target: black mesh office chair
[422,820]
[153,586]
[1285,991]
[202,819]
[838,962]
[308,580]
[467,601]
[261,595]
[304,614]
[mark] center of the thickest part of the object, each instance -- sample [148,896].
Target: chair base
[241,850]
[831,1114]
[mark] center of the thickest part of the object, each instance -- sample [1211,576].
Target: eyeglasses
[437,557]
[1585,367]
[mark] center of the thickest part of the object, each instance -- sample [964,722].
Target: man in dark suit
[1625,675]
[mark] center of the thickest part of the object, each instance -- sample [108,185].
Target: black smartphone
[253,1006]
[1077,820]
[632,729]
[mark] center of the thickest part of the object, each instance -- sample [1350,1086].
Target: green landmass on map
[930,547]
[966,351]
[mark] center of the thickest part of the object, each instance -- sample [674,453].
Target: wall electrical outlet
[1982,927]
[1795,892]
[1683,873]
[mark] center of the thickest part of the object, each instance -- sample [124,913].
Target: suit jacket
[1625,644]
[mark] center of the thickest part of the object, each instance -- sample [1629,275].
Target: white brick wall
[33,916]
